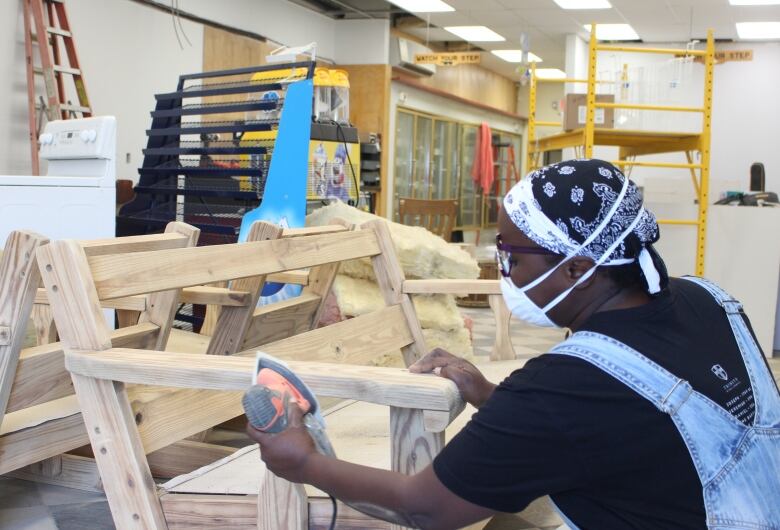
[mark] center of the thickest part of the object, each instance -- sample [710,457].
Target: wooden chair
[421,406]
[438,216]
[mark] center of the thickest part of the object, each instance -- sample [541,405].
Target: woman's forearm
[361,485]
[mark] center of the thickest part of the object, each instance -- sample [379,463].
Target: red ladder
[50,26]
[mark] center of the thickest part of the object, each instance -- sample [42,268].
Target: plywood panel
[369,107]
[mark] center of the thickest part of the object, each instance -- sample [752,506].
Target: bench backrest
[37,375]
[78,282]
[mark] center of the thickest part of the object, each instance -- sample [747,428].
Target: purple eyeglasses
[504,255]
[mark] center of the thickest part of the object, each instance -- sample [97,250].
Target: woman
[658,412]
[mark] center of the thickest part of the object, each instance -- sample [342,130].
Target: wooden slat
[24,447]
[166,415]
[123,245]
[77,472]
[130,303]
[41,375]
[19,279]
[357,340]
[233,322]
[205,294]
[281,320]
[314,230]
[162,305]
[384,386]
[458,287]
[292,277]
[184,457]
[390,278]
[118,276]
[209,512]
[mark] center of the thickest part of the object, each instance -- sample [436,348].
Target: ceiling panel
[452,18]
[483,5]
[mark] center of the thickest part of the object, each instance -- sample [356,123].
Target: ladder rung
[75,108]
[59,31]
[67,70]
[57,68]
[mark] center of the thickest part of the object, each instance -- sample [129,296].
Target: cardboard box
[574,112]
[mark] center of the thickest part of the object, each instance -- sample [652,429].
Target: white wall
[420,100]
[362,41]
[278,20]
[129,52]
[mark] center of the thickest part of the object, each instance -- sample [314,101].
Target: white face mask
[525,309]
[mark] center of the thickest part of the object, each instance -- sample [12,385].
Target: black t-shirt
[607,457]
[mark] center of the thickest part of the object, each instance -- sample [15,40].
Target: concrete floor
[29,506]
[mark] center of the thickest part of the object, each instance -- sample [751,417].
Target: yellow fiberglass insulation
[421,253]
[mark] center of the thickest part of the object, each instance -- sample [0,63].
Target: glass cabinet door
[404,136]
[443,169]
[423,140]
[470,199]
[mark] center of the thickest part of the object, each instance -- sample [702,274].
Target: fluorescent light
[516,56]
[754,2]
[475,33]
[423,6]
[550,73]
[583,4]
[614,32]
[758,30]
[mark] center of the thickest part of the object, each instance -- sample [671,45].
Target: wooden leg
[502,347]
[131,492]
[412,448]
[281,505]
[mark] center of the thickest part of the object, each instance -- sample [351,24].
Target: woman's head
[588,211]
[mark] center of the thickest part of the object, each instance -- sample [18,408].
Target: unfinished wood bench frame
[34,381]
[36,378]
[421,405]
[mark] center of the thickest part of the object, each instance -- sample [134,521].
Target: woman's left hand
[286,453]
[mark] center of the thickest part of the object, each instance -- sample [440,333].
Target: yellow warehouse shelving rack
[632,143]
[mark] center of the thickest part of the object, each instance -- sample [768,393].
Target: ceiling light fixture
[475,33]
[550,73]
[583,4]
[754,2]
[614,32]
[758,30]
[516,56]
[423,6]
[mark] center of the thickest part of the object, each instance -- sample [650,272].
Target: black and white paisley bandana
[582,208]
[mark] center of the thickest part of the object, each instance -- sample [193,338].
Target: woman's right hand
[472,385]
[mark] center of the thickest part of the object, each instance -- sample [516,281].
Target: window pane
[421,185]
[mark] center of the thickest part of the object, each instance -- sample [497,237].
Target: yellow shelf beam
[655,164]
[691,222]
[548,124]
[637,106]
[660,51]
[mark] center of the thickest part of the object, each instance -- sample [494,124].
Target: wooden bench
[421,406]
[42,417]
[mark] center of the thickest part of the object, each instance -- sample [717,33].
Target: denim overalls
[738,465]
